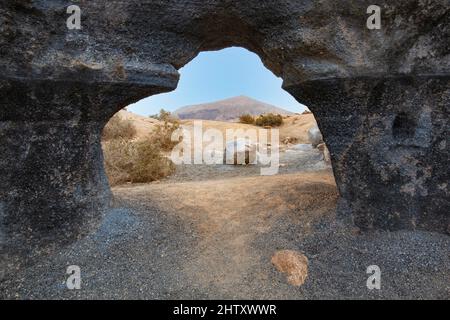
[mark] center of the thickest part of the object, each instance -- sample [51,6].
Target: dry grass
[131,157]
[162,135]
[135,161]
[118,128]
[295,128]
[150,164]
[247,119]
[269,120]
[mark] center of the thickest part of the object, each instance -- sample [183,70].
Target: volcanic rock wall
[380,96]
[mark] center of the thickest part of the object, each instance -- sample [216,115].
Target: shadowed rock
[380,97]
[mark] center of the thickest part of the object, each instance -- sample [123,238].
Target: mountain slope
[228,109]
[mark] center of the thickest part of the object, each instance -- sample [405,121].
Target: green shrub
[269,120]
[164,115]
[162,135]
[247,119]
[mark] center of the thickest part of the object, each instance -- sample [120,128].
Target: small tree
[163,115]
[162,135]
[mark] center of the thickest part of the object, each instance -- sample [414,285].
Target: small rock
[294,264]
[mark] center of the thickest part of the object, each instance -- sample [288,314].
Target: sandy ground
[295,127]
[290,161]
[144,125]
[210,234]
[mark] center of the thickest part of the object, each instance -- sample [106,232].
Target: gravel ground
[214,239]
[291,161]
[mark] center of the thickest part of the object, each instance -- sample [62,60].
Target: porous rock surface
[380,97]
[294,264]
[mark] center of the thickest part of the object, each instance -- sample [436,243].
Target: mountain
[228,109]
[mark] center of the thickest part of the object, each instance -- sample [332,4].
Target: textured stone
[381,98]
[293,264]
[315,136]
[325,152]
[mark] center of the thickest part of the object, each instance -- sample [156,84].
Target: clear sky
[218,75]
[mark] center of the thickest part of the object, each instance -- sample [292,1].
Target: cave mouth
[231,212]
[60,87]
[145,141]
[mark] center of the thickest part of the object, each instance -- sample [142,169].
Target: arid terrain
[144,125]
[138,225]
[210,232]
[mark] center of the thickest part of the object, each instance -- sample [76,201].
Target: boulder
[315,136]
[240,151]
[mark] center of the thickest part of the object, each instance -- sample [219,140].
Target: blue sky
[218,75]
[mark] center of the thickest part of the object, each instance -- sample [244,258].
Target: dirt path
[240,222]
[213,237]
[229,215]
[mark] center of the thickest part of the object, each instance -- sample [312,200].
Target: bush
[117,128]
[150,163]
[162,135]
[118,157]
[269,120]
[135,162]
[247,119]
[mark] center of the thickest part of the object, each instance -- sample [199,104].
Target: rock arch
[58,88]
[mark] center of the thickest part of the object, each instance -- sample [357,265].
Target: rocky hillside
[228,109]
